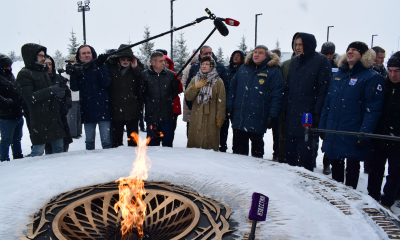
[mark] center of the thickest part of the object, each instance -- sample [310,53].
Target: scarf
[206,91]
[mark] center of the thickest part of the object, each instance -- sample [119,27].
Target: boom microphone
[221,27]
[258,211]
[307,123]
[230,21]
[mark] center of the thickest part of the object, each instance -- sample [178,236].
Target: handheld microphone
[307,123]
[258,211]
[230,21]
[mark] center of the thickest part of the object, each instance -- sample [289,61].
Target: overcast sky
[110,23]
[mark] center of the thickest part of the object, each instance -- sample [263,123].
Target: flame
[132,192]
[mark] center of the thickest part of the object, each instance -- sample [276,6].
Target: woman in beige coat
[207,92]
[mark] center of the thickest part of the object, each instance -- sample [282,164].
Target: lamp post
[83,9]
[372,42]
[255,41]
[172,34]
[327,37]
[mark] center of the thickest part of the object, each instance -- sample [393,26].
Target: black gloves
[101,59]
[270,122]
[59,92]
[229,113]
[360,142]
[69,69]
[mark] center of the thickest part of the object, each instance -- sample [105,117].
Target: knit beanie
[328,48]
[360,46]
[5,61]
[394,60]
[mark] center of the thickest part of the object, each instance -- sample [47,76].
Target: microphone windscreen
[221,27]
[232,22]
[259,207]
[306,120]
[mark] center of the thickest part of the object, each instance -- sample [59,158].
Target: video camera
[72,69]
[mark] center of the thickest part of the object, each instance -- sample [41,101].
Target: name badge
[353,81]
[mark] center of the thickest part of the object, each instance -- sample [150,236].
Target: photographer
[64,103]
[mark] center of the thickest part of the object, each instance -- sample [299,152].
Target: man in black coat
[126,109]
[389,124]
[307,85]
[159,87]
[11,120]
[41,97]
[380,58]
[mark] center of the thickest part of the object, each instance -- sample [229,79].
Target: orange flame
[132,192]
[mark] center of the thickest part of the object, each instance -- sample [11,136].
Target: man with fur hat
[41,96]
[94,96]
[307,84]
[354,104]
[235,62]
[126,109]
[389,124]
[11,120]
[254,100]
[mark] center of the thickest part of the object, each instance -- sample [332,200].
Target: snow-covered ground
[301,203]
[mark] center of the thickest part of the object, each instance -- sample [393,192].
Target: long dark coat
[124,88]
[353,104]
[307,85]
[45,119]
[10,99]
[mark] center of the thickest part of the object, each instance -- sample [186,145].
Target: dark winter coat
[232,69]
[195,69]
[177,100]
[158,90]
[93,86]
[381,70]
[255,93]
[285,67]
[353,104]
[307,85]
[35,83]
[389,122]
[10,99]
[124,88]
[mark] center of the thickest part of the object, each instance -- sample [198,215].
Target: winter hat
[208,58]
[394,60]
[360,46]
[328,48]
[5,61]
[262,46]
[165,52]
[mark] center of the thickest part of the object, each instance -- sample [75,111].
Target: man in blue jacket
[353,104]
[307,84]
[254,100]
[94,96]
[235,62]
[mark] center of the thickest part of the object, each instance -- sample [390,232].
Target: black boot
[327,169]
[5,160]
[18,156]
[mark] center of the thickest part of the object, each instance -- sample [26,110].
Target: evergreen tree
[59,60]
[13,56]
[278,45]
[220,56]
[242,45]
[73,47]
[146,49]
[180,52]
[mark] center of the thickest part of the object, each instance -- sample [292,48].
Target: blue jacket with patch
[354,104]
[255,93]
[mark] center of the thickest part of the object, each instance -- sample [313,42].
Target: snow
[300,205]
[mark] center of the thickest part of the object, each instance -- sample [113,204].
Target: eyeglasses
[41,56]
[205,64]
[126,59]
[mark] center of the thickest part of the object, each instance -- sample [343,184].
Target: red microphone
[232,22]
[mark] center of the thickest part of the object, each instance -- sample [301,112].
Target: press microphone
[258,211]
[230,21]
[307,123]
[219,25]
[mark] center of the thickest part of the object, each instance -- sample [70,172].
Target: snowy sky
[110,23]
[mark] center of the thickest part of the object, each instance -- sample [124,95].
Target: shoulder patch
[353,81]
[379,87]
[262,75]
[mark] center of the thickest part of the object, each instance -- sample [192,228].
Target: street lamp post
[255,41]
[372,42]
[172,34]
[327,37]
[83,9]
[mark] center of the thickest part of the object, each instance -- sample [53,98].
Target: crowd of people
[255,92]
